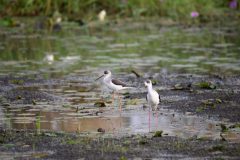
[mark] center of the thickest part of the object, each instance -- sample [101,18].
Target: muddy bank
[26,144]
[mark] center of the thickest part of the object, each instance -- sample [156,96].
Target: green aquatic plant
[142,141]
[38,124]
[206,85]
[99,104]
[217,148]
[223,128]
[200,109]
[158,134]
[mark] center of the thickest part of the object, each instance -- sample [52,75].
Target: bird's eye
[105,72]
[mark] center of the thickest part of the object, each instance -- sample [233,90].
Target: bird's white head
[148,83]
[105,74]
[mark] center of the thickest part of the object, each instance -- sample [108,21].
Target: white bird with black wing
[114,84]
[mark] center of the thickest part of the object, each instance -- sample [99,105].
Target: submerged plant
[158,134]
[38,124]
[223,128]
[207,85]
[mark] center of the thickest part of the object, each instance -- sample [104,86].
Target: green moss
[132,101]
[34,102]
[66,106]
[142,141]
[158,134]
[237,125]
[72,142]
[122,158]
[127,142]
[207,85]
[9,145]
[200,109]
[17,81]
[218,100]
[217,148]
[223,128]
[179,145]
[99,104]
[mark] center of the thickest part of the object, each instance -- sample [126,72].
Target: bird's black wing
[118,82]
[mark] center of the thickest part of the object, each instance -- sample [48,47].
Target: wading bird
[153,99]
[114,84]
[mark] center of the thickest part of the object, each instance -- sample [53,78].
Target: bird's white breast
[153,97]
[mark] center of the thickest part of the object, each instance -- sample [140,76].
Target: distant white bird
[114,84]
[49,58]
[153,99]
[102,15]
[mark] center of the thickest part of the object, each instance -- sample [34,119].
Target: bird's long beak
[99,77]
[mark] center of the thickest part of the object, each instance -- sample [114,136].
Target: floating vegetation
[132,101]
[223,128]
[237,125]
[52,134]
[217,148]
[178,87]
[67,106]
[143,141]
[38,125]
[137,73]
[158,134]
[34,102]
[101,130]
[99,104]
[17,81]
[207,85]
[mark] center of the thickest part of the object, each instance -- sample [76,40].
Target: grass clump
[158,134]
[207,85]
[223,128]
[217,148]
[178,10]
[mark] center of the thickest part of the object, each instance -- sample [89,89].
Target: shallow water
[79,54]
[134,120]
[147,46]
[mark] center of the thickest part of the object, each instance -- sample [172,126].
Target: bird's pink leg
[120,103]
[156,120]
[149,120]
[113,99]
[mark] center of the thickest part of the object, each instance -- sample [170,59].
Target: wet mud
[68,146]
[180,93]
